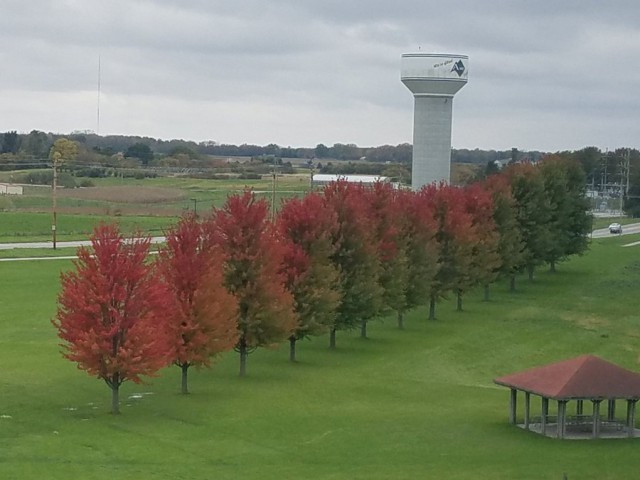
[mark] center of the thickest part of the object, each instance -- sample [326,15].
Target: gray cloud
[547,75]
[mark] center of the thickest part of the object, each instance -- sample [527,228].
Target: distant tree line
[614,173]
[334,260]
[36,144]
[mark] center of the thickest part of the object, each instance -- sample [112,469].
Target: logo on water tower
[458,67]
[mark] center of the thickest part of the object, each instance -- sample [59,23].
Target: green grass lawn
[37,252]
[28,226]
[417,403]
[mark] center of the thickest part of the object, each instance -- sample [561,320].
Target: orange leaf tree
[112,311]
[252,273]
[203,322]
[307,228]
[505,216]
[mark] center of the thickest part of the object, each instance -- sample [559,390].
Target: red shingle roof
[586,376]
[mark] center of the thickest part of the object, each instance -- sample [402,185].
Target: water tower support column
[431,139]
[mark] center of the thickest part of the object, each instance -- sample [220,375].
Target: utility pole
[624,172]
[63,149]
[54,197]
[627,169]
[311,172]
[273,192]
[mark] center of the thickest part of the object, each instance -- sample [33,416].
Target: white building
[319,179]
[9,189]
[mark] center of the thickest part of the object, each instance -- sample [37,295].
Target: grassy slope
[418,403]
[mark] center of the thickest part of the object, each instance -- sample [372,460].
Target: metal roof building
[324,179]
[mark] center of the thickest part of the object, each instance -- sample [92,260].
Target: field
[417,403]
[150,204]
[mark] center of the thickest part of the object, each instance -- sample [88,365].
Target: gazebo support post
[596,418]
[543,417]
[611,410]
[513,399]
[631,418]
[562,417]
[579,407]
[527,409]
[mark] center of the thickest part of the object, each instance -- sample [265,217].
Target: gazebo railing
[578,421]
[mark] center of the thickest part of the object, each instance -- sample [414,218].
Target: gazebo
[571,383]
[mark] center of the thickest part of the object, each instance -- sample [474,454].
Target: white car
[615,228]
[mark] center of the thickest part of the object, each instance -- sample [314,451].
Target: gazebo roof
[586,376]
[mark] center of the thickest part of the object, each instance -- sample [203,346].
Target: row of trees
[329,261]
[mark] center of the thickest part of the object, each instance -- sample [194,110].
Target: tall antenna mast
[98,119]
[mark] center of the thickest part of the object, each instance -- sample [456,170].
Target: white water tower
[433,79]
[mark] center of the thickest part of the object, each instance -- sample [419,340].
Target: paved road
[626,230]
[600,233]
[49,244]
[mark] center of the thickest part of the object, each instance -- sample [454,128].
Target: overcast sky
[545,74]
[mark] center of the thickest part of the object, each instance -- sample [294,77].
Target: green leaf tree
[527,186]
[505,216]
[570,223]
[141,151]
[10,142]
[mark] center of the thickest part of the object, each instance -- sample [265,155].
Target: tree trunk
[332,339]
[292,348]
[552,266]
[185,368]
[400,320]
[432,308]
[115,398]
[243,356]
[512,283]
[363,329]
[486,293]
[459,305]
[530,269]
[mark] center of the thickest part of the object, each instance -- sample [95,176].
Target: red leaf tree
[203,322]
[252,273]
[417,234]
[486,261]
[355,257]
[505,216]
[388,215]
[454,234]
[112,311]
[307,228]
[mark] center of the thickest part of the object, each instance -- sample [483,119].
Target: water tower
[433,79]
